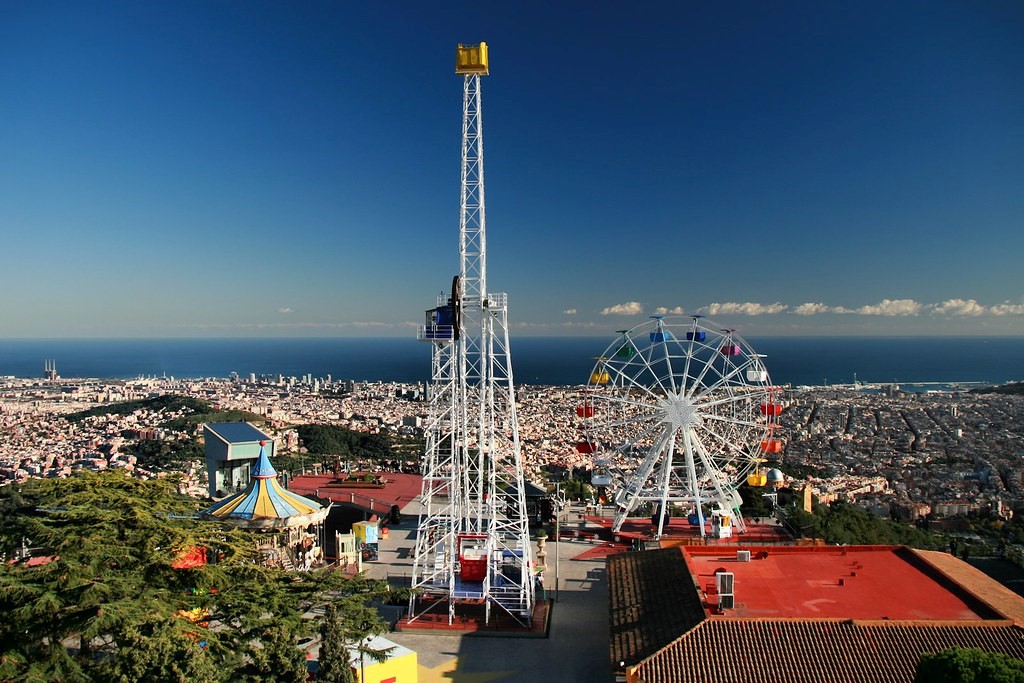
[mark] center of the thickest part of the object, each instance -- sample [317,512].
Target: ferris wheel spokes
[683,403]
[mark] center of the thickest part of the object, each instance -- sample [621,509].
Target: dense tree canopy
[154,453]
[195,411]
[1010,388]
[334,440]
[101,600]
[576,489]
[211,416]
[754,502]
[167,403]
[844,523]
[968,665]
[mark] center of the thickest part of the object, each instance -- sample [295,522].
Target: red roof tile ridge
[989,623]
[933,623]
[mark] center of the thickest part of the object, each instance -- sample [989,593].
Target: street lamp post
[362,659]
[558,539]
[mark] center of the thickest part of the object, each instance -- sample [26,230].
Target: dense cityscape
[904,455]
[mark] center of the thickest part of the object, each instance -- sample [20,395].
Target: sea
[924,362]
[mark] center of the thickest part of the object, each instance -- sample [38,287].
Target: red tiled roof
[653,601]
[800,651]
[654,594]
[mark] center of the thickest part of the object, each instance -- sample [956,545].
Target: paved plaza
[576,648]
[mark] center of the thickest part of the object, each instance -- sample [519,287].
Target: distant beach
[536,360]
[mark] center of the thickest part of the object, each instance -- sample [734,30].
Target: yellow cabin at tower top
[471,59]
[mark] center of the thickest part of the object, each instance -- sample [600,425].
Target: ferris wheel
[678,411]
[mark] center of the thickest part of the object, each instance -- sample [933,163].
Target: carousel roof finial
[262,469]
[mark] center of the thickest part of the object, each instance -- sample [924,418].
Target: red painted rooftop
[398,489]
[861,583]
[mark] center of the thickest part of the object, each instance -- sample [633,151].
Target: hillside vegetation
[1013,388]
[168,403]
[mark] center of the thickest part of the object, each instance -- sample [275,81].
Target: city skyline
[257,169]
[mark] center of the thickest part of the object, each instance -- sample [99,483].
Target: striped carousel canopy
[265,503]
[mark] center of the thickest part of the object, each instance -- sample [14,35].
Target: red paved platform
[469,618]
[399,489]
[859,582]
[676,532]
[640,528]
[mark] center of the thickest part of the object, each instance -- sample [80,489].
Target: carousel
[290,526]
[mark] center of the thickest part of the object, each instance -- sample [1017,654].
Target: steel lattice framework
[473,494]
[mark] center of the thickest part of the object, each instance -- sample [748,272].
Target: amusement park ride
[472,543]
[679,412]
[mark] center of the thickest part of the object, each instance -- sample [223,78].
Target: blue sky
[190,169]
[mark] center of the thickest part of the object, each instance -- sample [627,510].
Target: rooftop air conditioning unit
[743,556]
[724,582]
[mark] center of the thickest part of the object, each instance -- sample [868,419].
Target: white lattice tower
[473,487]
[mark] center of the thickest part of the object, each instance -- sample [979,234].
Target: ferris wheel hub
[679,412]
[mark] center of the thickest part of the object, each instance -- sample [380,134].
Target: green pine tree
[108,604]
[334,658]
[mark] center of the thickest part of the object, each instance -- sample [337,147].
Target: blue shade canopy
[237,432]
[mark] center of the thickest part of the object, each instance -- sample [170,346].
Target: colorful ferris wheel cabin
[757,375]
[757,478]
[625,351]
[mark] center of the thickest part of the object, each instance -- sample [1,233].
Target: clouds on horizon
[628,308]
[1006,308]
[889,308]
[960,307]
[746,308]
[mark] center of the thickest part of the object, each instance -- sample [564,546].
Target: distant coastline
[812,361]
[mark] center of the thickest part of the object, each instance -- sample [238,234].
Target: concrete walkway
[577,646]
